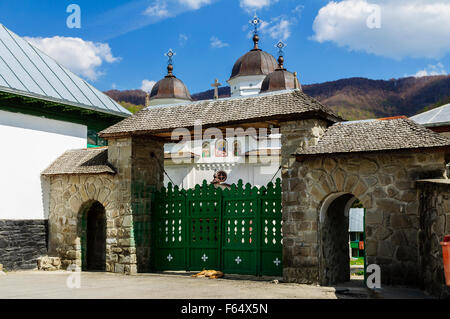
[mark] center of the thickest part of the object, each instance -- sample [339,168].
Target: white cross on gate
[277,261]
[204,258]
[169,258]
[238,260]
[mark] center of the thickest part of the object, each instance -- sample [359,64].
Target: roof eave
[62,102]
[281,118]
[301,157]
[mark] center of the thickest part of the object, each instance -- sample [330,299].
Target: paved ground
[39,284]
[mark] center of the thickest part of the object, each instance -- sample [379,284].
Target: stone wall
[383,182]
[300,245]
[147,176]
[435,224]
[70,199]
[126,197]
[22,242]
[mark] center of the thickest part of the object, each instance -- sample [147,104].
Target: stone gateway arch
[392,166]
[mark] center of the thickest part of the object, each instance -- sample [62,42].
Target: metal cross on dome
[170,54]
[280,45]
[255,22]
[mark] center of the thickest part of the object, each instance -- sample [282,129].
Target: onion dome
[255,62]
[170,88]
[280,79]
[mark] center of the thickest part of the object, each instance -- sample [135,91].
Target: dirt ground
[94,285]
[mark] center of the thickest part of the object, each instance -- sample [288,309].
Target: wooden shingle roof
[374,136]
[82,161]
[286,105]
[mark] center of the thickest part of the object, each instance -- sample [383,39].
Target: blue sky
[122,43]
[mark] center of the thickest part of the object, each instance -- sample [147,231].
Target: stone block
[374,217]
[48,263]
[389,205]
[329,164]
[368,167]
[385,249]
[119,268]
[399,221]
[339,178]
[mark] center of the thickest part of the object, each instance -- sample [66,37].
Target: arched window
[236,148]
[221,148]
[206,150]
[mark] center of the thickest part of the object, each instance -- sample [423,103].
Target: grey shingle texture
[83,161]
[376,135]
[283,104]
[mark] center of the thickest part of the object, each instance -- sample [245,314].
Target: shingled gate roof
[83,161]
[376,135]
[288,105]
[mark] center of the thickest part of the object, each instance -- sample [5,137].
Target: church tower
[251,69]
[169,90]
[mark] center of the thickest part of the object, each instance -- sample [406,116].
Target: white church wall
[246,85]
[29,144]
[179,175]
[165,102]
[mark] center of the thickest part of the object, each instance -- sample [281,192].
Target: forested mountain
[354,98]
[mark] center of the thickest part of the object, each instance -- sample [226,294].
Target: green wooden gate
[236,230]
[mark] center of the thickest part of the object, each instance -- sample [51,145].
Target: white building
[44,110]
[254,159]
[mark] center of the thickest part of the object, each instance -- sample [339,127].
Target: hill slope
[354,98]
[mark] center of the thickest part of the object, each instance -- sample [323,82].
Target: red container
[446,256]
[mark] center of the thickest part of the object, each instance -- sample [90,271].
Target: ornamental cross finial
[280,45]
[216,85]
[170,54]
[255,22]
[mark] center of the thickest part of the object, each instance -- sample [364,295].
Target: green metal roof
[26,71]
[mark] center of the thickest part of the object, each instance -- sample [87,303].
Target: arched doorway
[337,236]
[93,238]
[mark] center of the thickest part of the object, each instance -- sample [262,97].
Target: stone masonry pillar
[139,164]
[300,237]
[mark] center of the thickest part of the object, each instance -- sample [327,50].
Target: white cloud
[170,8]
[250,5]
[298,9]
[80,56]
[195,4]
[407,28]
[216,43]
[158,9]
[437,69]
[114,86]
[182,39]
[147,85]
[278,28]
